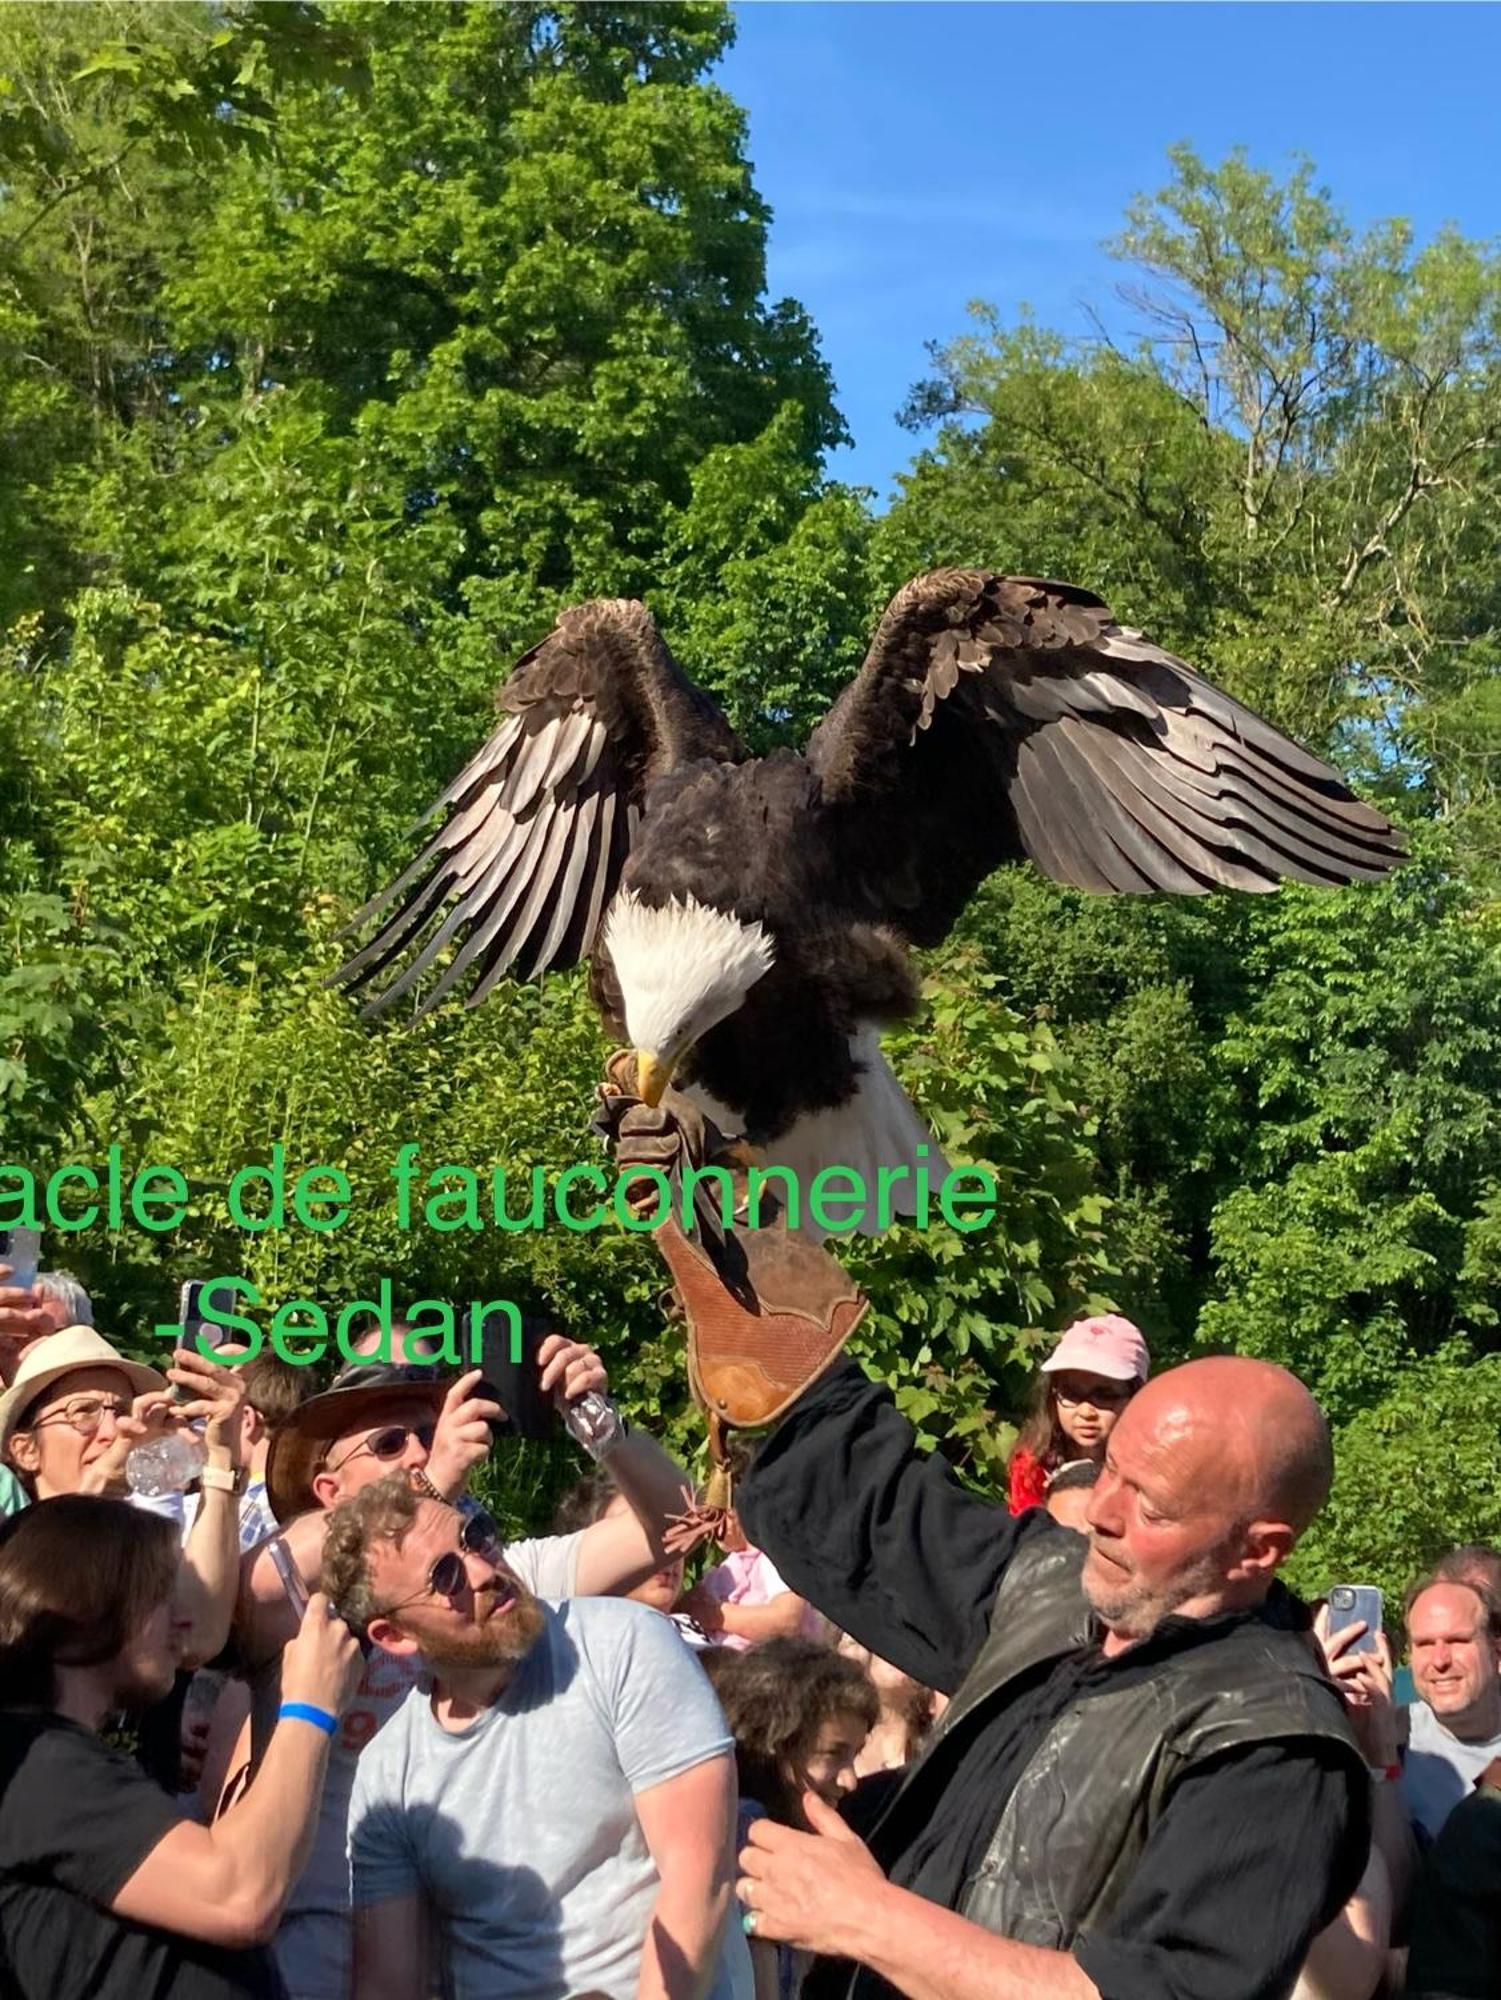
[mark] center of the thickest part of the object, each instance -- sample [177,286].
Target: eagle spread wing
[538,826]
[1001,717]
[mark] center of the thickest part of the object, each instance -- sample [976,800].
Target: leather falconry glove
[767,1311]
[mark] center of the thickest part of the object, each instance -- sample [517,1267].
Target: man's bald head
[1212,1472]
[1249,1426]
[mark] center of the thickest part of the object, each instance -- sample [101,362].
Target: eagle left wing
[1000,718]
[538,826]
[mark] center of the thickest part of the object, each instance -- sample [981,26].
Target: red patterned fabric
[1029,1480]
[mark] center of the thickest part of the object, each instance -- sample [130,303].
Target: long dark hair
[1042,1434]
[776,1698]
[78,1575]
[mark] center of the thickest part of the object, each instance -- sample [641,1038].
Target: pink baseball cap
[1108,1346]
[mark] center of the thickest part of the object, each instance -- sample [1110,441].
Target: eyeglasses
[478,1536]
[1103,1396]
[387,1445]
[86,1413]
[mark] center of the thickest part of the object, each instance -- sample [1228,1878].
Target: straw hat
[57,1354]
[354,1403]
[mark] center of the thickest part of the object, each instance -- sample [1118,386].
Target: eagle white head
[683,968]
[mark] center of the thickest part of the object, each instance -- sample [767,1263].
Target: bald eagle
[747,920]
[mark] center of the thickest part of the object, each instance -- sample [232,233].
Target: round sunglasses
[478,1536]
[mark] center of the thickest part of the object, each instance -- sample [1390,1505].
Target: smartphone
[296,1589]
[196,1332]
[1356,1603]
[22,1250]
[286,1569]
[529,1414]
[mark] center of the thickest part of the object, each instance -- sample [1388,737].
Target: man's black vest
[1072,1831]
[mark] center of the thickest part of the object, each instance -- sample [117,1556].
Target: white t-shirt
[1439,1769]
[313,1945]
[521,1832]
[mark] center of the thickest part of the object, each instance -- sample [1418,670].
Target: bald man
[1144,1787]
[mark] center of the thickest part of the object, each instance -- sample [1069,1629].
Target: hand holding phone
[22,1250]
[322,1664]
[1356,1604]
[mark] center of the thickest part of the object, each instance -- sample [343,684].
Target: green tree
[1288,479]
[1414,1476]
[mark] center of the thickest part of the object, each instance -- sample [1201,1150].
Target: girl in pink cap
[1082,1387]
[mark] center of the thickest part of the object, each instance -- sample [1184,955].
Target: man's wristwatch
[225,1478]
[423,1485]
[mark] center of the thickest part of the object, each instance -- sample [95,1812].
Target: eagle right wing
[538,826]
[1006,718]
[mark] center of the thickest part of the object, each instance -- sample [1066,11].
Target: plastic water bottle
[170,1463]
[162,1465]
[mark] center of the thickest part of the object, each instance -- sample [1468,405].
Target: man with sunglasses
[560,1798]
[407,1417]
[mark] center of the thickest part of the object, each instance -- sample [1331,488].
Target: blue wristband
[304,1711]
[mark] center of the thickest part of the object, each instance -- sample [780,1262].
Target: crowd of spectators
[323,1728]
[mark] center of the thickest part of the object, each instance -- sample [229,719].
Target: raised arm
[227,1883]
[616,1554]
[211,1557]
[877,1535]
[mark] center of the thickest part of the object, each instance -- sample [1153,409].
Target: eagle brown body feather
[994,719]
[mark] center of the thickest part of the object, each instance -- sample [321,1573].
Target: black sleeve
[1257,1851]
[82,1815]
[876,1534]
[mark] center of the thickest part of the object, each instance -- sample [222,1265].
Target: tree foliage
[340,345]
[1291,479]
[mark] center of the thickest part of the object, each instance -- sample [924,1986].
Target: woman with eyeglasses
[71,1418]
[1082,1387]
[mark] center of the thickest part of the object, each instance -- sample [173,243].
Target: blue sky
[917,156]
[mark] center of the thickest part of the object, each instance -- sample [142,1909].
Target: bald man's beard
[1133,1609]
[487,1641]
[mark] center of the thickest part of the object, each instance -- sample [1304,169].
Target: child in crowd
[596,1497]
[800,1714]
[1082,1387]
[908,1711]
[743,1601]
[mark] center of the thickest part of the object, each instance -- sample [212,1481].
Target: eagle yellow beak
[652,1076]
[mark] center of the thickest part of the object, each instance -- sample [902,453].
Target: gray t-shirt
[1439,1769]
[521,1830]
[314,1944]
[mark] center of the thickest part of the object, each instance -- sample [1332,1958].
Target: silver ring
[748,1923]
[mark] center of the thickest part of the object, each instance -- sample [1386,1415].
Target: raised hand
[322,1665]
[569,1369]
[24,1317]
[462,1437]
[216,1394]
[805,1888]
[1364,1680]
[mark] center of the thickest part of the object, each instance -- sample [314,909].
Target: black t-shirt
[77,1819]
[1456,1925]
